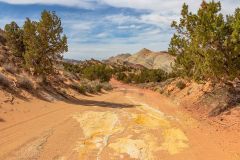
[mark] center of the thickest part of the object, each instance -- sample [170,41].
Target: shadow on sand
[49,93]
[56,94]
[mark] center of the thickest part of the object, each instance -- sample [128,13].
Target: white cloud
[160,6]
[132,26]
[81,26]
[170,6]
[102,35]
[72,3]
[121,19]
[157,19]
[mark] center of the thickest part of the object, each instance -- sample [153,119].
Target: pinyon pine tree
[14,37]
[206,45]
[44,43]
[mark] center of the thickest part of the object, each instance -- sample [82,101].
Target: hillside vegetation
[32,62]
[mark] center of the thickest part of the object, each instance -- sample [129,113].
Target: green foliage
[150,75]
[121,76]
[97,72]
[206,45]
[14,37]
[44,43]
[106,86]
[142,76]
[72,68]
[99,87]
[79,88]
[91,87]
[181,85]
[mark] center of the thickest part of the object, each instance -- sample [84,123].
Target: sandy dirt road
[127,123]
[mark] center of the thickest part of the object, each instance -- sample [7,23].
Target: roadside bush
[98,87]
[4,82]
[97,72]
[121,76]
[25,83]
[90,89]
[79,88]
[10,68]
[181,85]
[142,76]
[107,86]
[73,68]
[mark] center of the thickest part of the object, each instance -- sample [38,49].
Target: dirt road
[127,123]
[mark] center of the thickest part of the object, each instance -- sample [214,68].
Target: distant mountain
[119,58]
[146,58]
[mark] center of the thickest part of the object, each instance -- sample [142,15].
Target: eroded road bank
[128,123]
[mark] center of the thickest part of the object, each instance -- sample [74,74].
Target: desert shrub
[98,87]
[4,82]
[79,88]
[42,80]
[90,89]
[121,76]
[97,72]
[181,85]
[142,76]
[106,86]
[25,83]
[10,68]
[72,68]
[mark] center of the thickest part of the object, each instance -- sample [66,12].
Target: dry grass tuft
[25,83]
[4,81]
[10,68]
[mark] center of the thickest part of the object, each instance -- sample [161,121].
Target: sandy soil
[127,123]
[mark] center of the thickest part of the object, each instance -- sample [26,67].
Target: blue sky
[102,28]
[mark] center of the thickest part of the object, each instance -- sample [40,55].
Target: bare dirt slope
[127,123]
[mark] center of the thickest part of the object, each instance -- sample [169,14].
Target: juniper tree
[44,42]
[205,44]
[14,37]
[232,43]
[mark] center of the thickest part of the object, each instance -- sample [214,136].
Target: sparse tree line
[142,76]
[92,72]
[39,44]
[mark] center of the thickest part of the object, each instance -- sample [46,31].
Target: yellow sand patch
[97,128]
[142,149]
[174,141]
[150,121]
